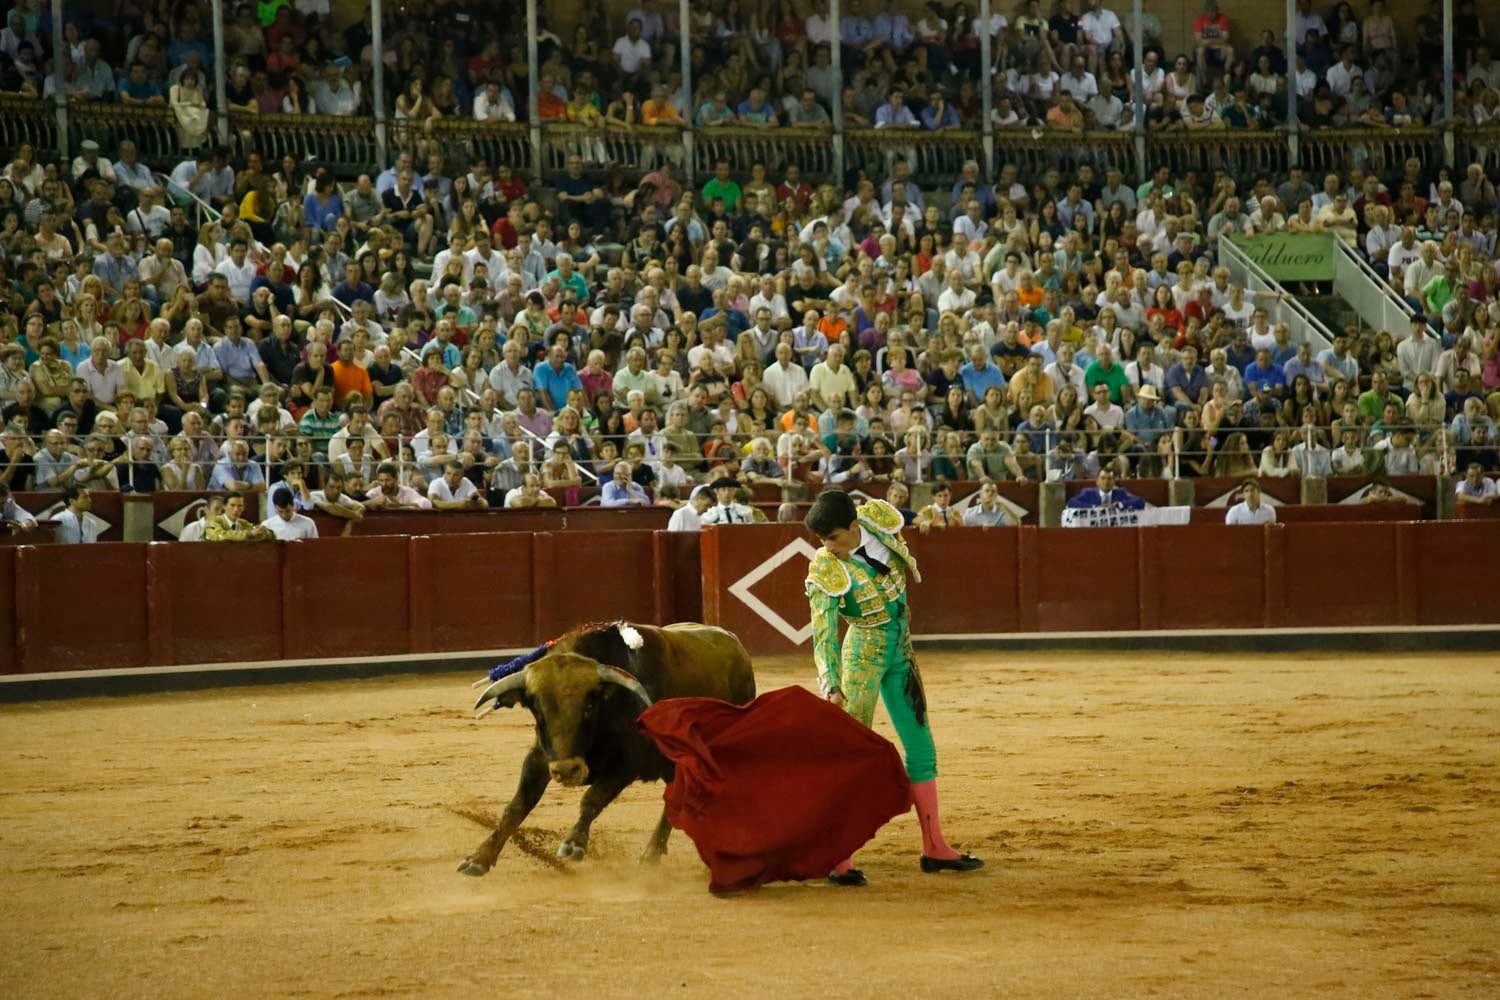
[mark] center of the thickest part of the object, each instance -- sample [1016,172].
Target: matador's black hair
[832,511]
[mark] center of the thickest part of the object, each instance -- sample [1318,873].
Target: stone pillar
[1051,496]
[1181,492]
[1446,507]
[1314,490]
[139,518]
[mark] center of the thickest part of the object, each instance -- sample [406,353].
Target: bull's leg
[657,845]
[599,795]
[534,779]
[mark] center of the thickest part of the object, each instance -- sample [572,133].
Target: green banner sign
[1291,256]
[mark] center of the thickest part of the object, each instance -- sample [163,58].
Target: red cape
[783,788]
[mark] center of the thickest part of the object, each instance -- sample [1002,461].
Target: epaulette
[828,573]
[881,515]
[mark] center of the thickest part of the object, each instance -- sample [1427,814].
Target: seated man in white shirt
[529,494]
[193,532]
[1106,414]
[286,524]
[727,510]
[689,517]
[451,491]
[1252,508]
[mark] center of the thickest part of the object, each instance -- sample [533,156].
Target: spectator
[286,524]
[75,525]
[231,526]
[621,491]
[987,511]
[1252,508]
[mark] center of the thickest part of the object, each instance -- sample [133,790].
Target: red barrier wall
[7,611]
[116,605]
[81,607]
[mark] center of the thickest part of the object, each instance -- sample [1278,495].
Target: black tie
[880,568]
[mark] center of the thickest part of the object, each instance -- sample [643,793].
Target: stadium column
[377,82]
[987,87]
[1291,81]
[1448,157]
[59,92]
[837,57]
[220,70]
[685,57]
[533,103]
[1138,41]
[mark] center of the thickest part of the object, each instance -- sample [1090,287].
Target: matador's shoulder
[882,516]
[827,572]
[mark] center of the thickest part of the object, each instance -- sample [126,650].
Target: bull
[585,694]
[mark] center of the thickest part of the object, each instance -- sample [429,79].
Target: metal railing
[347,143]
[1281,306]
[1373,298]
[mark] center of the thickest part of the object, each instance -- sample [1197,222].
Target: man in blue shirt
[895,113]
[1147,420]
[1187,384]
[622,492]
[239,359]
[554,379]
[1265,371]
[236,472]
[978,375]
[756,111]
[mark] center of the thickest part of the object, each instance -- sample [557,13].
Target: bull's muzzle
[569,772]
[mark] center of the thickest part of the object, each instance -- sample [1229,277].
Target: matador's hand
[836,697]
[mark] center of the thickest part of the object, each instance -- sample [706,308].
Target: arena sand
[1182,825]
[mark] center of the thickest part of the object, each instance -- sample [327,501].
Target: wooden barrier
[119,605]
[1196,576]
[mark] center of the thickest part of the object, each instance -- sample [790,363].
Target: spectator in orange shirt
[349,377]
[833,326]
[1065,116]
[549,106]
[659,110]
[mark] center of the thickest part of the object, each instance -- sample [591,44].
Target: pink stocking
[924,794]
[844,867]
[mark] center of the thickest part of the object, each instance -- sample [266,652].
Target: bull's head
[567,694]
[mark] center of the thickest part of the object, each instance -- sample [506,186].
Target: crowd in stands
[440,334]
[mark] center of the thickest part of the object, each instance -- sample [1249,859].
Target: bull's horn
[614,675]
[499,689]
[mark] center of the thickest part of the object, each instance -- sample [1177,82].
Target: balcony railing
[348,143]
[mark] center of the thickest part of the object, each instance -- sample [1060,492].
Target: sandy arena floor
[1190,825]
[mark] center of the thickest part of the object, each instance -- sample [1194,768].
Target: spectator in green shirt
[721,185]
[1105,370]
[1439,291]
[321,422]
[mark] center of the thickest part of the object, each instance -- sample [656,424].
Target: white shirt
[300,526]
[440,490]
[1241,513]
[685,518]
[735,513]
[239,277]
[783,383]
[632,54]
[193,532]
[1099,27]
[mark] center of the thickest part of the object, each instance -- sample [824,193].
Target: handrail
[1286,308]
[347,141]
[204,208]
[1353,277]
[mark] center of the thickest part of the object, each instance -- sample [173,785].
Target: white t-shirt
[299,527]
[1099,28]
[439,490]
[1241,513]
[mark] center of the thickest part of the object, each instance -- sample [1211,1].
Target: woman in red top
[1165,306]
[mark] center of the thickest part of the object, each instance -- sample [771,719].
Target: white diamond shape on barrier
[741,588]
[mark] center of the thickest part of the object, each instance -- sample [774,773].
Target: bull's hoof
[569,851]
[471,867]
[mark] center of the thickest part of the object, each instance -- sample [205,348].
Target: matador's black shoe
[853,877]
[962,863]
